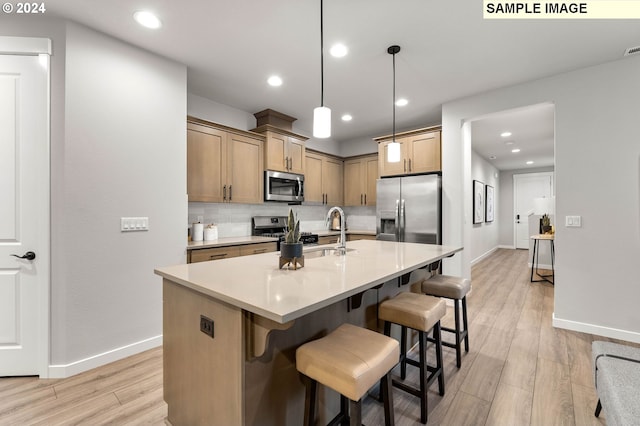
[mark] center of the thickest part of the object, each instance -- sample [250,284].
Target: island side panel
[203,376]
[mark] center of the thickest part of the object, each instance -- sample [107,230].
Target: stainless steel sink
[321,252]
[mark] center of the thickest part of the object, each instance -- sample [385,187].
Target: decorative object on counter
[321,114]
[210,232]
[545,224]
[197,232]
[291,247]
[393,149]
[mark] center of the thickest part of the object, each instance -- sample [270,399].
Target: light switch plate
[129,224]
[573,221]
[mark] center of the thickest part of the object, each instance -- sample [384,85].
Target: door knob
[28,255]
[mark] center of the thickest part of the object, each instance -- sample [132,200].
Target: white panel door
[24,212]
[526,187]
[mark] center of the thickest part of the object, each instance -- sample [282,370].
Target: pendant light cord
[394,97]
[321,57]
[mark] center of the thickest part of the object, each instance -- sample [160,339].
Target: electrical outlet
[206,326]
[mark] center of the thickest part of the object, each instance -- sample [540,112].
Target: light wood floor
[519,370]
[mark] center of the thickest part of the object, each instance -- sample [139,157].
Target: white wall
[124,154]
[484,236]
[597,177]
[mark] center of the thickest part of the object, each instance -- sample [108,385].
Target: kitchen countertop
[229,241]
[255,284]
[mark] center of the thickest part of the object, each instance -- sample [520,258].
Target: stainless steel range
[276,227]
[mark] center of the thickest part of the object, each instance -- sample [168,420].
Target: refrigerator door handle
[397,220]
[402,220]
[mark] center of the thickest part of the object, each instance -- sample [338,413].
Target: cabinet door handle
[224,193]
[405,165]
[409,165]
[290,162]
[360,198]
[217,256]
[365,199]
[256,251]
[230,193]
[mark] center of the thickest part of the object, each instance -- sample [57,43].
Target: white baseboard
[479,258]
[67,370]
[540,266]
[512,247]
[598,330]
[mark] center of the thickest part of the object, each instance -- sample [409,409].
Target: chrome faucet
[342,246]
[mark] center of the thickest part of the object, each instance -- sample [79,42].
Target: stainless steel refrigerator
[409,209]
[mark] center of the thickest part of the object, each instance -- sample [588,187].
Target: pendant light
[322,114]
[393,149]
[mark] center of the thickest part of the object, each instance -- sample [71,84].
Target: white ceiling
[532,132]
[448,52]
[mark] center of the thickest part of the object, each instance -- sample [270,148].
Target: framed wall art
[478,202]
[489,203]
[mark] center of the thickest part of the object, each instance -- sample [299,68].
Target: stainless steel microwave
[284,187]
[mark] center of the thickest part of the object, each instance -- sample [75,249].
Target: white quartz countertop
[255,284]
[229,241]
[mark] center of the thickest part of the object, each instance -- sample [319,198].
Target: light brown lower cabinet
[328,239]
[218,253]
[354,237]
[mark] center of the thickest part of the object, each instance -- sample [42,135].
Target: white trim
[24,46]
[44,292]
[598,330]
[511,247]
[67,370]
[482,256]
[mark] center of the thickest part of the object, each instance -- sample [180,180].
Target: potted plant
[291,247]
[546,223]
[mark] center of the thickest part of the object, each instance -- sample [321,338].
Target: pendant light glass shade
[393,149]
[321,114]
[393,152]
[322,122]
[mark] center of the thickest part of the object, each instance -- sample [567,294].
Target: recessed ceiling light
[347,117]
[515,150]
[402,102]
[147,19]
[493,157]
[505,134]
[529,162]
[338,50]
[274,81]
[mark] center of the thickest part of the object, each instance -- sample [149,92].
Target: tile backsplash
[234,220]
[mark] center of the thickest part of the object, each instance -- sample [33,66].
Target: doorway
[527,188]
[24,206]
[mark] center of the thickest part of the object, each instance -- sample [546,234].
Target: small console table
[534,259]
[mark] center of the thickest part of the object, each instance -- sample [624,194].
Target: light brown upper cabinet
[420,152]
[323,179]
[223,164]
[284,150]
[360,175]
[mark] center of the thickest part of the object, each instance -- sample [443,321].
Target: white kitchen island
[245,373]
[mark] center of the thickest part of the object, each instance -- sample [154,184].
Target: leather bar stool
[349,360]
[455,288]
[421,313]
